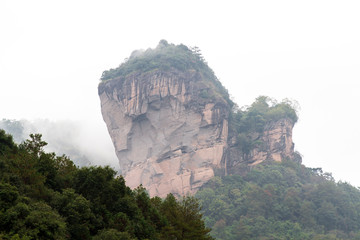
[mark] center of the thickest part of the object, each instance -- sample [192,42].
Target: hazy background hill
[53,54]
[84,145]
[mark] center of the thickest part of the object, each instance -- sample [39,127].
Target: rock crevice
[170,127]
[166,137]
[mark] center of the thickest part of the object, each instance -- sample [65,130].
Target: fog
[52,55]
[86,144]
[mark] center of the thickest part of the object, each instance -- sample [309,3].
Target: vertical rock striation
[167,115]
[275,145]
[166,137]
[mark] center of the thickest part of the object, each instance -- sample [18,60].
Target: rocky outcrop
[167,115]
[167,137]
[274,144]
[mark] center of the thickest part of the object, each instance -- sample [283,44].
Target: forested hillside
[44,196]
[281,201]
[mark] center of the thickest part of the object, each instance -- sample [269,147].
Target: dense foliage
[44,196]
[281,201]
[248,124]
[170,57]
[164,57]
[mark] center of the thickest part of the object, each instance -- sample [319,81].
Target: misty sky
[52,54]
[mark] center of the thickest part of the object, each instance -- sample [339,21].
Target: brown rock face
[275,145]
[170,131]
[167,137]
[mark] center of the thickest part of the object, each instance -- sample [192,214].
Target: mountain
[174,126]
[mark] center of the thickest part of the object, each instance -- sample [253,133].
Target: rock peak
[168,117]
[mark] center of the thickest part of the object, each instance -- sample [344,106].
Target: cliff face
[275,144]
[167,115]
[166,137]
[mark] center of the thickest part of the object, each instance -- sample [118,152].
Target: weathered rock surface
[167,115]
[275,145]
[166,137]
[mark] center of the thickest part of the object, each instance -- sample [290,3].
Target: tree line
[44,196]
[281,201]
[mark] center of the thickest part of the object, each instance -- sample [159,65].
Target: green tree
[34,221]
[45,223]
[281,201]
[185,218]
[35,145]
[44,196]
[7,144]
[8,196]
[112,234]
[77,212]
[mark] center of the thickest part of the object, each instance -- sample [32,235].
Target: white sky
[52,54]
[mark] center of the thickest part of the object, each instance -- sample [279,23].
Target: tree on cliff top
[168,57]
[164,57]
[245,122]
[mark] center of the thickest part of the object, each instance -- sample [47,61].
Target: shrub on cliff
[164,57]
[244,123]
[169,57]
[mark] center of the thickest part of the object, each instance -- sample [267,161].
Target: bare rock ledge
[171,140]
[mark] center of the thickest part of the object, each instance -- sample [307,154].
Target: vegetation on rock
[167,58]
[164,57]
[44,196]
[244,123]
